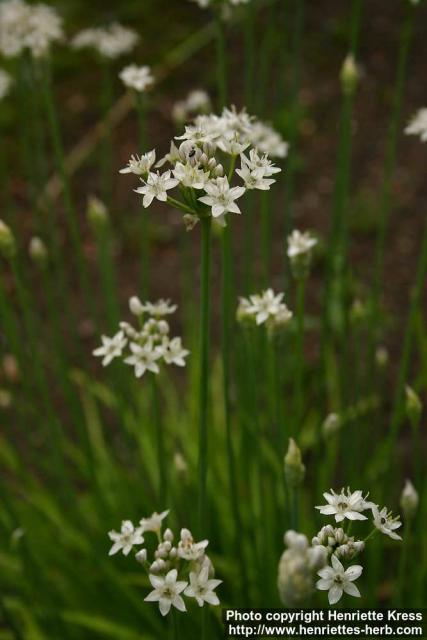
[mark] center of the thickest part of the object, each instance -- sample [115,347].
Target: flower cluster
[340,547]
[265,308]
[5,84]
[175,570]
[197,164]
[300,252]
[196,102]
[333,546]
[137,78]
[297,568]
[150,344]
[418,125]
[34,27]
[109,42]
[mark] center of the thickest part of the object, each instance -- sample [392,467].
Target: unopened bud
[331,425]
[7,241]
[135,306]
[97,213]
[409,500]
[37,250]
[141,556]
[190,221]
[349,75]
[414,407]
[381,357]
[294,467]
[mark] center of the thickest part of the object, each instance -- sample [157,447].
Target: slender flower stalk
[391,155]
[204,338]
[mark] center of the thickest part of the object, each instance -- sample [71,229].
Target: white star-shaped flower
[154,522]
[203,589]
[220,197]
[265,305]
[190,176]
[384,521]
[157,186]
[197,134]
[128,537]
[137,78]
[166,591]
[300,243]
[254,178]
[140,166]
[257,161]
[337,581]
[111,348]
[144,358]
[345,505]
[418,125]
[188,549]
[174,353]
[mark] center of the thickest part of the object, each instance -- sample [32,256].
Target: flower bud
[331,425]
[135,306]
[294,467]
[168,535]
[414,407]
[381,357]
[97,213]
[349,75]
[409,500]
[190,221]
[38,250]
[7,241]
[141,556]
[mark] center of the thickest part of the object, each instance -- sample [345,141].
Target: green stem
[107,144]
[141,103]
[391,155]
[204,368]
[299,369]
[70,211]
[221,60]
[160,439]
[403,562]
[249,54]
[226,290]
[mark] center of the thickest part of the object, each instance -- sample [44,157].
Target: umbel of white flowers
[109,42]
[418,125]
[175,570]
[300,252]
[266,308]
[197,102]
[197,166]
[32,27]
[5,83]
[137,78]
[297,568]
[336,547]
[148,345]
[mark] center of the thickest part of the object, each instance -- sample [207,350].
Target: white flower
[254,178]
[221,197]
[154,522]
[126,539]
[234,146]
[24,26]
[337,581]
[267,140]
[144,358]
[166,592]
[190,176]
[160,308]
[384,521]
[345,505]
[157,186]
[188,549]
[140,165]
[255,161]
[138,78]
[197,134]
[174,353]
[418,125]
[265,305]
[111,348]
[197,101]
[300,243]
[5,83]
[110,42]
[202,589]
